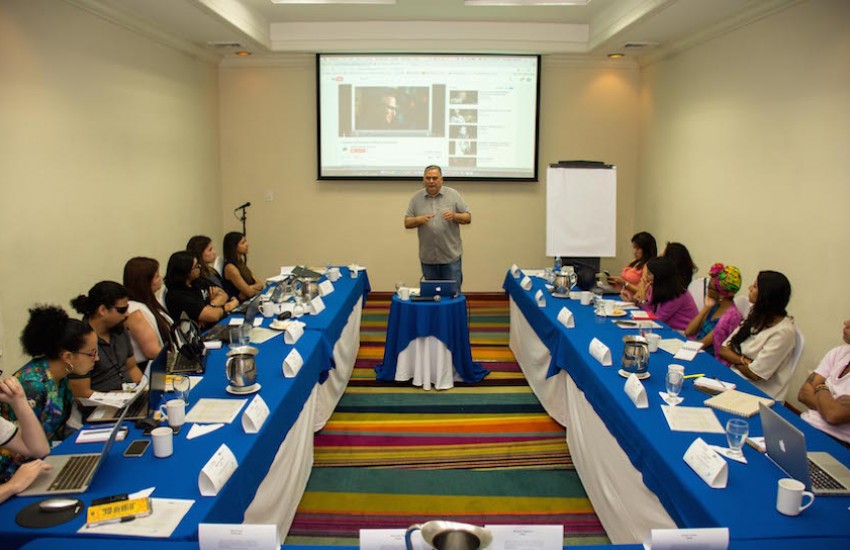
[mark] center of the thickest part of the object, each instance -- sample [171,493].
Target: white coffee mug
[269,309]
[174,411]
[163,442]
[654,340]
[789,497]
[404,293]
[610,306]
[586,297]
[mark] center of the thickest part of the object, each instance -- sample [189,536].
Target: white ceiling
[267,29]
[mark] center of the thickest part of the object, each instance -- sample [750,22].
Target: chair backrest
[742,302]
[218,265]
[697,290]
[799,344]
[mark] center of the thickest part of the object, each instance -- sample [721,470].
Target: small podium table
[429,342]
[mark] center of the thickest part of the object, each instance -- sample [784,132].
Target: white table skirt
[428,361]
[345,355]
[626,508]
[533,357]
[279,494]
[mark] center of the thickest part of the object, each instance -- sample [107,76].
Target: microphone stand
[243,217]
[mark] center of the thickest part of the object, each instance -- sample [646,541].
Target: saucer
[560,295]
[616,313]
[232,390]
[642,376]
[280,325]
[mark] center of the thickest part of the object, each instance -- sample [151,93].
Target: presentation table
[629,460]
[428,341]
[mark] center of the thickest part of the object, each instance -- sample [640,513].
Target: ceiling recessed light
[333,1]
[525,2]
[243,54]
[616,55]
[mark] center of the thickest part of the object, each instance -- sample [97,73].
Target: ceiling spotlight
[616,55]
[243,53]
[333,1]
[525,2]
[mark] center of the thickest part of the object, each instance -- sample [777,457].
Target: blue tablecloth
[177,476]
[748,504]
[338,306]
[445,320]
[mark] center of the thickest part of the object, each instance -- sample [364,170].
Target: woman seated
[827,392]
[665,297]
[39,393]
[28,441]
[106,308]
[632,280]
[762,348]
[685,266]
[148,323]
[718,316]
[238,279]
[190,294]
[201,247]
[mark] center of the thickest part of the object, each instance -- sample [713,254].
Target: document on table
[692,419]
[166,516]
[117,399]
[671,345]
[210,411]
[526,537]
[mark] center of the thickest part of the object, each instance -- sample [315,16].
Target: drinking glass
[398,285]
[737,430]
[674,386]
[181,384]
[245,334]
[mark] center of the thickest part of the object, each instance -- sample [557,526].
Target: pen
[694,375]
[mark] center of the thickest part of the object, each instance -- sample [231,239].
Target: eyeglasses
[122,309]
[92,354]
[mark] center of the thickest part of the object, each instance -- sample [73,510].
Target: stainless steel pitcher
[635,354]
[450,535]
[241,367]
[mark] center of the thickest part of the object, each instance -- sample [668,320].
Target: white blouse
[151,320]
[772,352]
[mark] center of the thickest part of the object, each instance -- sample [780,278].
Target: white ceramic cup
[174,411]
[586,298]
[163,442]
[268,309]
[404,293]
[654,340]
[610,306]
[789,497]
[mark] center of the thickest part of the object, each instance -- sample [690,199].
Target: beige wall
[746,155]
[108,149]
[268,144]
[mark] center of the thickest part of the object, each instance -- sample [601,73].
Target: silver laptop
[786,447]
[73,473]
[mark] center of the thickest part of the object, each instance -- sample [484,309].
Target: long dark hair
[231,241]
[50,331]
[196,247]
[665,284]
[685,266]
[646,243]
[178,270]
[104,293]
[138,276]
[774,293]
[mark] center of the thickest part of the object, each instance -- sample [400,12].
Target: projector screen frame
[319,176]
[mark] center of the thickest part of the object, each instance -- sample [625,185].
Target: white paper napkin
[292,364]
[565,317]
[600,352]
[525,283]
[727,452]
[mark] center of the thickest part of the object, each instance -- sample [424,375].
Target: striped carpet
[486,453]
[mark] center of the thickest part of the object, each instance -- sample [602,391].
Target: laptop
[141,406]
[187,354]
[429,289]
[73,473]
[786,447]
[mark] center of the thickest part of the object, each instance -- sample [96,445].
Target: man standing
[437,212]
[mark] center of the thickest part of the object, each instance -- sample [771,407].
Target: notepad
[738,402]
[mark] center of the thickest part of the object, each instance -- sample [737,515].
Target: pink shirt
[677,313]
[830,368]
[726,325]
[632,275]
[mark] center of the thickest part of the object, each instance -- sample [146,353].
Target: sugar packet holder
[600,352]
[292,364]
[565,317]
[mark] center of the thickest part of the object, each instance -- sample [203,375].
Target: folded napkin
[515,271]
[292,364]
[541,298]
[525,283]
[600,352]
[565,317]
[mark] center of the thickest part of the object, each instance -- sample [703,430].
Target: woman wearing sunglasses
[38,397]
[106,308]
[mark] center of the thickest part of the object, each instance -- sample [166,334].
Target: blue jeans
[444,272]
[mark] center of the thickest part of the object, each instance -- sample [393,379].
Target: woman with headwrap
[718,317]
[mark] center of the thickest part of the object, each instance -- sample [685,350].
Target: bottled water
[557,264]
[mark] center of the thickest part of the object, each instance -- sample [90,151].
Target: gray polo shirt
[110,370]
[439,240]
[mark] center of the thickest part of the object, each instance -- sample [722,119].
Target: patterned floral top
[52,403]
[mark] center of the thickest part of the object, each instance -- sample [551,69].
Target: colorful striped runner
[486,453]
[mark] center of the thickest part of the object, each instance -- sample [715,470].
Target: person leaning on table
[827,392]
[762,348]
[39,392]
[632,280]
[187,292]
[106,308]
[437,212]
[27,439]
